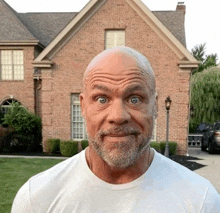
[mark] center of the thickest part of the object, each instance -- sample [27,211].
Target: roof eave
[188,64]
[42,64]
[21,43]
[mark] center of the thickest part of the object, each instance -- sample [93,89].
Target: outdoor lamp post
[167,105]
[191,112]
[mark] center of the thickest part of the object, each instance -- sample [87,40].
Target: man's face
[118,108]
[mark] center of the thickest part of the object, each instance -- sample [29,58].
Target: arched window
[6,104]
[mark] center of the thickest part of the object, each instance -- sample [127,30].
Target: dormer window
[12,65]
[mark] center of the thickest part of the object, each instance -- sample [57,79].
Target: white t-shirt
[71,186]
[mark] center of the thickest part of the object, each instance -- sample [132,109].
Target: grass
[15,172]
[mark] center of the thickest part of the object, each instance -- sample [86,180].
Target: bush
[155,145]
[1,116]
[25,124]
[172,147]
[84,143]
[68,148]
[5,133]
[53,145]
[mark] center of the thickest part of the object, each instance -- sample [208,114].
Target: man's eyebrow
[101,87]
[135,88]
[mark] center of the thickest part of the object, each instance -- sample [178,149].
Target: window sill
[12,80]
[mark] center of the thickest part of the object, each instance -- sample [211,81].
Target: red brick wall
[73,58]
[22,91]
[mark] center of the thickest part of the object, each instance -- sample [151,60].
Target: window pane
[17,57]
[6,72]
[114,38]
[6,57]
[18,72]
[12,65]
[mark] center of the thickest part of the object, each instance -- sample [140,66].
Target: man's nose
[118,113]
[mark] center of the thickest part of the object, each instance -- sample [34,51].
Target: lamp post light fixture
[167,106]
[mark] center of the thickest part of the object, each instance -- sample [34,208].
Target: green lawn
[14,172]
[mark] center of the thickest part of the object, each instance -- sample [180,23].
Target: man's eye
[102,100]
[134,100]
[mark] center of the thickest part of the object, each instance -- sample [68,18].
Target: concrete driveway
[212,170]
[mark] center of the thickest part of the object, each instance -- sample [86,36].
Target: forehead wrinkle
[126,72]
[147,80]
[118,81]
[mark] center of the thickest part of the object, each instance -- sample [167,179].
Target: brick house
[44,55]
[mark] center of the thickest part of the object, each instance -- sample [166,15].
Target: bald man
[118,172]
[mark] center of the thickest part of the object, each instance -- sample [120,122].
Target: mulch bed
[185,161]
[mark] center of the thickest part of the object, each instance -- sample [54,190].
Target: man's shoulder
[41,189]
[173,171]
[54,178]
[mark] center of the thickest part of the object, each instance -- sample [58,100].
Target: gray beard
[122,154]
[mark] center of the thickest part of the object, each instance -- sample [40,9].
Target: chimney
[181,7]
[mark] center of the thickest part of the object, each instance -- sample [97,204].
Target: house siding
[70,62]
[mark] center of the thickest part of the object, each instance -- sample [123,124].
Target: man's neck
[118,175]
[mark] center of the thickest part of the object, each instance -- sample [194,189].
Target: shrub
[53,145]
[84,143]
[1,116]
[155,145]
[5,133]
[25,124]
[68,148]
[172,147]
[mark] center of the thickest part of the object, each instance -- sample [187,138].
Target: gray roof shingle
[174,21]
[45,26]
[11,28]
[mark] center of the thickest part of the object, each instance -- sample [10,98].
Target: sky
[202,20]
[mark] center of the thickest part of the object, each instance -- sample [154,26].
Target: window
[6,105]
[78,127]
[114,38]
[12,65]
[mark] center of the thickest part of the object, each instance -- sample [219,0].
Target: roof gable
[12,29]
[140,8]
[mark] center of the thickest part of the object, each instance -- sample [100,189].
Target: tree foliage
[206,60]
[205,97]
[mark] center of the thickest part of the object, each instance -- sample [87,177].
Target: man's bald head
[142,62]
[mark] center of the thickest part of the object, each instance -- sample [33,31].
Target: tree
[206,60]
[205,97]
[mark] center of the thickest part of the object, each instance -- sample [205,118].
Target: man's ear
[82,104]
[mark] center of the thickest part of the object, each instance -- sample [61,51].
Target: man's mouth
[118,135]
